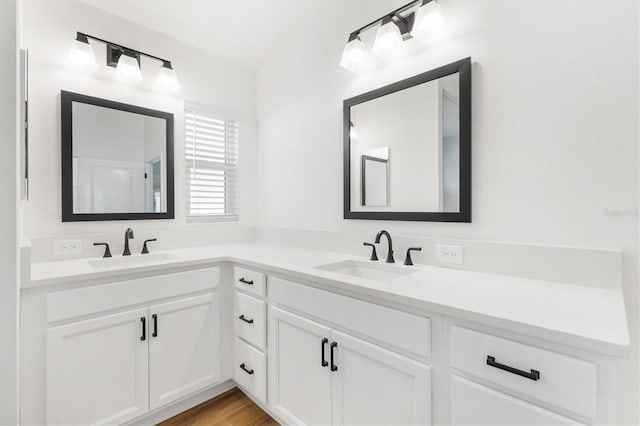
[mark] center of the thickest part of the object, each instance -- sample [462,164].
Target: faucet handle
[107,252]
[145,250]
[407,260]
[374,255]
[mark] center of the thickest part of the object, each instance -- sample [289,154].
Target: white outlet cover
[67,247]
[452,255]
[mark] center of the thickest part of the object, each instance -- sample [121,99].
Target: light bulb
[429,21]
[167,78]
[128,67]
[354,56]
[353,133]
[81,54]
[388,38]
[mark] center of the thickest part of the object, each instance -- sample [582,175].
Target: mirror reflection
[119,161]
[405,150]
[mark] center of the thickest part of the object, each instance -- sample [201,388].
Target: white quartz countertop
[584,317]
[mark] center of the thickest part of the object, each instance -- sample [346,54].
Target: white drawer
[477,405]
[251,320]
[385,326]
[250,281]
[250,370]
[563,381]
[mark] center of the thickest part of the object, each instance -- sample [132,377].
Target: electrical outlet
[67,247]
[450,254]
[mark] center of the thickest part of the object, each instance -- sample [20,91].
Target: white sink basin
[369,270]
[131,261]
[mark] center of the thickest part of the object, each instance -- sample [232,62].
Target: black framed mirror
[117,161]
[407,149]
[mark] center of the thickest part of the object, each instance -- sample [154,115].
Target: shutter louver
[211,166]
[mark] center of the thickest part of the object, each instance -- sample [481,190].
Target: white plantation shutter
[211,165]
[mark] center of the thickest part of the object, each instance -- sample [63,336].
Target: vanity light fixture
[353,132]
[81,54]
[393,29]
[125,60]
[429,20]
[167,78]
[128,67]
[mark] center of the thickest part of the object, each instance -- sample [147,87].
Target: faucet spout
[390,258]
[127,234]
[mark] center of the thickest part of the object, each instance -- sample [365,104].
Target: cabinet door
[374,386]
[97,370]
[299,383]
[184,348]
[474,404]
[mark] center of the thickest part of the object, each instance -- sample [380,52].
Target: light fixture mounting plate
[114,53]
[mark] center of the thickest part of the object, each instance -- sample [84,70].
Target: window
[211,166]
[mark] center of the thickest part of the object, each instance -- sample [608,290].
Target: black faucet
[390,251]
[127,234]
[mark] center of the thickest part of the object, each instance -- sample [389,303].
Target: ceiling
[243,31]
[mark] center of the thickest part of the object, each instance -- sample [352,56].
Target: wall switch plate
[67,247]
[453,255]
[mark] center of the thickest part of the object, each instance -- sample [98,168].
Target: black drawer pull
[334,367]
[248,282]
[249,372]
[155,325]
[533,375]
[248,321]
[322,346]
[143,320]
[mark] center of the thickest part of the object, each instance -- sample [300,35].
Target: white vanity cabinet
[321,374]
[118,366]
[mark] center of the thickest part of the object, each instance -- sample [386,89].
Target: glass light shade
[388,39]
[354,55]
[429,21]
[128,68]
[81,55]
[353,133]
[167,78]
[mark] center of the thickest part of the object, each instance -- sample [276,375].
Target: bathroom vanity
[313,339]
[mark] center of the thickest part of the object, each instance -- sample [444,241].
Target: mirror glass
[117,159]
[405,151]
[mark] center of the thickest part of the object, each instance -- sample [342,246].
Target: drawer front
[386,326]
[562,381]
[474,404]
[251,320]
[67,304]
[250,370]
[250,281]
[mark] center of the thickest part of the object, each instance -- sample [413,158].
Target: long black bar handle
[143,320]
[533,375]
[243,318]
[248,282]
[155,325]
[244,368]
[322,346]
[334,367]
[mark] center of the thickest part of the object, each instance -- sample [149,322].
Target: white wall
[9,222]
[555,127]
[49,29]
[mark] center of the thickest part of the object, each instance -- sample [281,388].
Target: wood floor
[232,408]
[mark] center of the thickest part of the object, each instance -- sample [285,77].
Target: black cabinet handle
[249,372]
[249,282]
[143,320]
[533,375]
[334,367]
[248,321]
[322,346]
[155,325]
